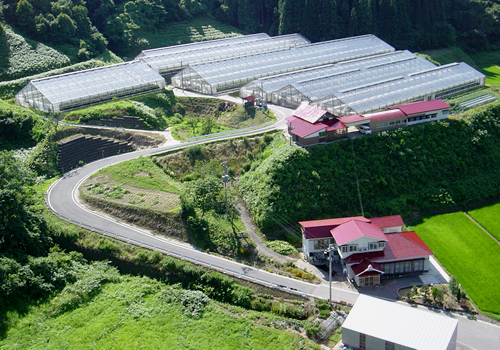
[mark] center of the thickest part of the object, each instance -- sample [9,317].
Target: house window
[362,341]
[398,267]
[418,265]
[389,345]
[322,134]
[372,246]
[353,248]
[321,244]
[381,244]
[345,248]
[407,266]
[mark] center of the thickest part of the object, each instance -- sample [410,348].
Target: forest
[91,26]
[423,170]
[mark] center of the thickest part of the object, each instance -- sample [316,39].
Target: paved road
[62,198]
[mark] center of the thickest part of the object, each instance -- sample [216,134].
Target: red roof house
[367,249]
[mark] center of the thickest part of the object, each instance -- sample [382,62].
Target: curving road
[62,199]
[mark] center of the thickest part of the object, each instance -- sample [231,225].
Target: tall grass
[136,312]
[468,253]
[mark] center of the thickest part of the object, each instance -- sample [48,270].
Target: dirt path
[482,228]
[261,246]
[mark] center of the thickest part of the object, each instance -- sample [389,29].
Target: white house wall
[362,243]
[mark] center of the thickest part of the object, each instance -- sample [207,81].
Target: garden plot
[103,189]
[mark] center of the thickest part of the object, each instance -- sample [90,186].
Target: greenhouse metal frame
[79,89]
[314,89]
[175,59]
[434,83]
[264,88]
[213,77]
[201,44]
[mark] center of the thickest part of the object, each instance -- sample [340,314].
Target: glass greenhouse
[87,87]
[430,84]
[178,57]
[264,88]
[210,78]
[202,44]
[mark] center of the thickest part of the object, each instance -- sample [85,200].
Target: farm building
[367,249]
[376,324]
[87,87]
[173,58]
[310,125]
[213,77]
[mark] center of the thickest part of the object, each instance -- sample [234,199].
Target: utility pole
[328,254]
[225,180]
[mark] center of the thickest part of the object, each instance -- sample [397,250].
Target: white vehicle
[365,129]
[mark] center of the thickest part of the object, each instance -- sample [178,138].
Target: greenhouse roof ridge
[329,76]
[250,36]
[392,62]
[86,70]
[398,52]
[372,84]
[449,65]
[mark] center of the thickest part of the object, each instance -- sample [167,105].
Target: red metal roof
[355,229]
[334,125]
[249,98]
[389,114]
[302,128]
[403,245]
[309,113]
[365,267]
[423,106]
[321,228]
[400,246]
[388,221]
[352,119]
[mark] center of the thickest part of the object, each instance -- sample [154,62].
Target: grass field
[492,75]
[200,28]
[140,313]
[488,218]
[468,253]
[140,173]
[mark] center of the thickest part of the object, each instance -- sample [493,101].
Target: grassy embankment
[486,62]
[134,312]
[488,218]
[468,253]
[199,29]
[187,116]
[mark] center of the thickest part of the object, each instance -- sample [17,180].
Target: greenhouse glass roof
[175,59]
[96,81]
[276,82]
[255,66]
[202,44]
[396,90]
[318,88]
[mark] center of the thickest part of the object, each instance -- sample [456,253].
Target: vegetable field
[468,253]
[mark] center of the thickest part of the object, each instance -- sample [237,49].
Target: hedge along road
[62,199]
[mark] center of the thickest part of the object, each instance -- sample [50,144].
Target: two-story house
[366,248]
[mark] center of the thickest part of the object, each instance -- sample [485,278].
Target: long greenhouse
[213,77]
[434,83]
[87,87]
[177,57]
[264,88]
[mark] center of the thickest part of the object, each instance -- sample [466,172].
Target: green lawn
[468,253]
[488,218]
[140,313]
[492,75]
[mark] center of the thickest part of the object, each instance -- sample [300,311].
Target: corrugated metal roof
[302,128]
[388,221]
[401,324]
[309,113]
[384,115]
[355,229]
[423,106]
